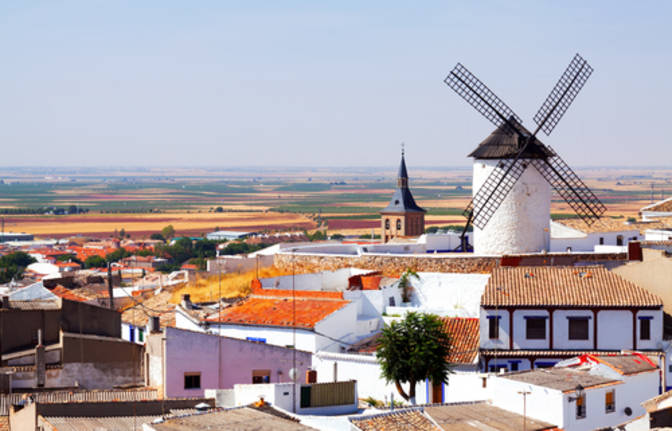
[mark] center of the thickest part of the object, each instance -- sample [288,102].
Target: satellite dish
[293,374]
[627,411]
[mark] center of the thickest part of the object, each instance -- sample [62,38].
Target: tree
[405,284]
[95,262]
[157,236]
[12,265]
[168,231]
[122,233]
[117,255]
[219,210]
[413,350]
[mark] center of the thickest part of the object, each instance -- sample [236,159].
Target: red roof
[317,294]
[465,337]
[278,311]
[66,293]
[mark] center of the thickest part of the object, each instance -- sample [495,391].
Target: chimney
[186,302]
[40,361]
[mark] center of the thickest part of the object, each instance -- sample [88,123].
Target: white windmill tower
[514,171]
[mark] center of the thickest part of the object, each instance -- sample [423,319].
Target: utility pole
[524,394]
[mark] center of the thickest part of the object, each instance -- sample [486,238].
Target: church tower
[402,217]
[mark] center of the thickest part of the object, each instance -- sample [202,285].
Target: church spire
[402,177]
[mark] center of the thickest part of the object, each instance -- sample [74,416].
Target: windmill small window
[398,224]
[387,223]
[619,240]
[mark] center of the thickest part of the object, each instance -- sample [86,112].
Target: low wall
[394,265]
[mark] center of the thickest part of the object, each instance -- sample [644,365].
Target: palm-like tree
[405,284]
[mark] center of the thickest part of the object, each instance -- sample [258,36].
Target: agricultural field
[196,201]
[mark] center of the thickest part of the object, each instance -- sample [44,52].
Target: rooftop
[606,224]
[627,364]
[561,379]
[478,416]
[243,419]
[564,286]
[278,311]
[399,420]
[503,144]
[465,338]
[660,206]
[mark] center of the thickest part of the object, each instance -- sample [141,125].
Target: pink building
[183,363]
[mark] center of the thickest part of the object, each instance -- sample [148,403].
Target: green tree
[95,262]
[219,210]
[168,231]
[157,236]
[413,350]
[117,255]
[122,233]
[405,284]
[12,265]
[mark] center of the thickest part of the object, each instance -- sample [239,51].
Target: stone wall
[393,266]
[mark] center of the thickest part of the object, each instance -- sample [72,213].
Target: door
[437,393]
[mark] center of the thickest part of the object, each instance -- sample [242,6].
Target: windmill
[522,207]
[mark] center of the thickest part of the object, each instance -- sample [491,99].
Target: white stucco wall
[614,329]
[305,340]
[503,341]
[520,340]
[542,403]
[521,223]
[561,330]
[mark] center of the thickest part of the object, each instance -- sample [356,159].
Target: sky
[330,83]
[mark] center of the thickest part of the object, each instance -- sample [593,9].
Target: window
[493,327]
[578,328]
[514,365]
[131,333]
[536,328]
[644,329]
[601,240]
[610,401]
[398,224]
[141,335]
[192,380]
[581,406]
[392,302]
[619,240]
[261,376]
[387,223]
[256,339]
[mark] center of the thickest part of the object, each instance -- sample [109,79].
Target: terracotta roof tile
[564,286]
[464,334]
[66,293]
[602,225]
[400,420]
[278,311]
[660,206]
[465,339]
[317,294]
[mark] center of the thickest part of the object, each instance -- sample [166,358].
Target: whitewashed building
[605,235]
[535,316]
[592,392]
[657,210]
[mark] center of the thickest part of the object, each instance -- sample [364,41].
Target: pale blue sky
[321,83]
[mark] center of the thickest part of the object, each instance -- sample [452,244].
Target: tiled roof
[660,206]
[627,364]
[564,286]
[479,416]
[317,294]
[157,305]
[465,338]
[243,419]
[464,334]
[278,311]
[616,225]
[400,420]
[66,293]
[561,379]
[604,224]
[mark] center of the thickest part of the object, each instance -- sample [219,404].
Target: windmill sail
[570,187]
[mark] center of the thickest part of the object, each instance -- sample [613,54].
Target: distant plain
[198,200]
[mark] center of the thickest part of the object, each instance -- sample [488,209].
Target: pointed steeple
[402,200]
[402,176]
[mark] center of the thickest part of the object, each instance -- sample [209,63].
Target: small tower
[402,217]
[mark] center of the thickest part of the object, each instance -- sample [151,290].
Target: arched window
[398,224]
[387,223]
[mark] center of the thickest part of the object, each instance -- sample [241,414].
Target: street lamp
[524,394]
[580,401]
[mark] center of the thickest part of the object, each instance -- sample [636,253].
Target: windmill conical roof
[504,144]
